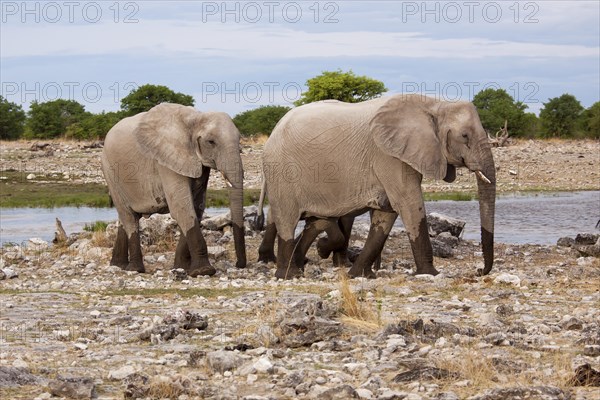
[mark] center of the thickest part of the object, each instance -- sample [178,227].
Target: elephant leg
[130,221]
[199,263]
[381,225]
[415,221]
[136,262]
[183,259]
[287,267]
[334,241]
[340,256]
[180,199]
[312,229]
[402,185]
[377,262]
[120,256]
[266,250]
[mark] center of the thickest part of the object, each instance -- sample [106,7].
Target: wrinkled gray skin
[159,161]
[333,159]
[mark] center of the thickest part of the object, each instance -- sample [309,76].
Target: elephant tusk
[481,176]
[226,180]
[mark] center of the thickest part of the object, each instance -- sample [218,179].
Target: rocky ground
[76,327]
[524,165]
[73,326]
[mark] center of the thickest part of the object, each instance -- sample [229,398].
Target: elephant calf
[159,161]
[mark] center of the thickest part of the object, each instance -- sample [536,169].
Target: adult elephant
[331,159]
[159,161]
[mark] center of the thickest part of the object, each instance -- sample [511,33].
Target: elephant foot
[183,263]
[134,266]
[359,272]
[429,270]
[323,248]
[120,263]
[288,273]
[267,257]
[341,261]
[204,270]
[240,264]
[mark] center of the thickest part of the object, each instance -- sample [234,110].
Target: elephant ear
[405,128]
[166,134]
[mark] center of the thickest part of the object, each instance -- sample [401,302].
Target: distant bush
[51,119]
[496,106]
[94,126]
[12,120]
[147,96]
[342,86]
[590,121]
[261,120]
[561,116]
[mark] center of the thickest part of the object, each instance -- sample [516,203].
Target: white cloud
[168,38]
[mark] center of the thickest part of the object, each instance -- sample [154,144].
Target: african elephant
[330,159]
[338,236]
[159,161]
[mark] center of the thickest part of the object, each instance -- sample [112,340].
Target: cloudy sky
[234,56]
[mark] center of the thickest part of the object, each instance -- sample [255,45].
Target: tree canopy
[93,126]
[560,116]
[52,118]
[496,105]
[12,120]
[147,96]
[260,120]
[590,121]
[343,86]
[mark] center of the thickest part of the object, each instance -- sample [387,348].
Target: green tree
[260,120]
[94,126]
[147,96]
[343,86]
[12,120]
[496,105]
[590,121]
[51,119]
[560,116]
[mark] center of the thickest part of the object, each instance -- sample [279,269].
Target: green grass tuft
[453,196]
[96,226]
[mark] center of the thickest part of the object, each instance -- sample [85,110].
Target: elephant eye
[211,142]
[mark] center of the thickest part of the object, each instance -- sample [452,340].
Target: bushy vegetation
[147,96]
[261,120]
[342,86]
[496,106]
[560,117]
[12,120]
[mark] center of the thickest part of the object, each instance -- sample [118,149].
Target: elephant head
[185,140]
[436,137]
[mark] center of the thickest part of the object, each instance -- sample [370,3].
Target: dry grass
[355,311]
[471,365]
[163,387]
[253,140]
[100,239]
[552,369]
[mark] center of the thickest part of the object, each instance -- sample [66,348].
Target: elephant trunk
[486,189]
[234,174]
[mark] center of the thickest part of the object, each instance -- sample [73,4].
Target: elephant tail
[259,221]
